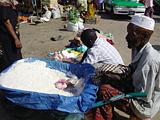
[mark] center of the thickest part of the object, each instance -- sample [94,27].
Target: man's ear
[145,35]
[92,42]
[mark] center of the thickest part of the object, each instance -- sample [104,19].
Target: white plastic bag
[72,26]
[80,25]
[47,16]
[56,12]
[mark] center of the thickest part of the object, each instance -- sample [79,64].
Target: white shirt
[148,3]
[103,52]
[146,78]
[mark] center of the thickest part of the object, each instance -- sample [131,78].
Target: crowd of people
[143,71]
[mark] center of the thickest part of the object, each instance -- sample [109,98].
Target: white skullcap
[143,21]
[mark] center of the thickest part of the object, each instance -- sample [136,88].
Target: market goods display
[49,85]
[36,77]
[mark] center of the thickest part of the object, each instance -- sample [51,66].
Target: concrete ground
[36,39]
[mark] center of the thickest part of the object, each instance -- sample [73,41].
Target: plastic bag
[72,27]
[46,17]
[56,12]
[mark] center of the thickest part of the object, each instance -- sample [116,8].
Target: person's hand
[18,43]
[124,68]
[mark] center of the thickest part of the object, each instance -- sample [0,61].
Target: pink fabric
[105,38]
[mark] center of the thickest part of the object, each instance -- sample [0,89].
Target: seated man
[99,51]
[145,74]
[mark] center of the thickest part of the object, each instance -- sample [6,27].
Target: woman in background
[9,36]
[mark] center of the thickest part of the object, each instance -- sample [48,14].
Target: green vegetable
[73,15]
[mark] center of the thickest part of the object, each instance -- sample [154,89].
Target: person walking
[149,8]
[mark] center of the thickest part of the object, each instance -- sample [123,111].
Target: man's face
[133,37]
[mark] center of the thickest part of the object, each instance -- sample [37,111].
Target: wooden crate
[92,20]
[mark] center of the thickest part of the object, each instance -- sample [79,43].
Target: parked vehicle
[125,7]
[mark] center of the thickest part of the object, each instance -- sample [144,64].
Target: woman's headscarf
[9,3]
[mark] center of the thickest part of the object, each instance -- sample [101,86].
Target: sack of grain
[72,26]
[30,83]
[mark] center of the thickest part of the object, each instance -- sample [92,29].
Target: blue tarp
[75,104]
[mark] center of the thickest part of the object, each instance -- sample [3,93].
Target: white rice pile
[34,76]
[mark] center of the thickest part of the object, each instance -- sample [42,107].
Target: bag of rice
[44,84]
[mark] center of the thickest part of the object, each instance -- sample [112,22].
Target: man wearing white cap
[145,66]
[144,71]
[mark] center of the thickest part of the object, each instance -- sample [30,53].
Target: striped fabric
[116,75]
[119,69]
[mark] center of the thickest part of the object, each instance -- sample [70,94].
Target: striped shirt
[103,52]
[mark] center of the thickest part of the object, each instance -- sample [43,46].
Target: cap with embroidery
[143,21]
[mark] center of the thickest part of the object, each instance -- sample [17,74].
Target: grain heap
[36,77]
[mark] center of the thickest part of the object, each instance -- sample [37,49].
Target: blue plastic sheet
[75,104]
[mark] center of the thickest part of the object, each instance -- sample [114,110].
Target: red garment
[110,41]
[105,112]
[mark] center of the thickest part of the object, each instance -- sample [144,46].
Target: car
[125,7]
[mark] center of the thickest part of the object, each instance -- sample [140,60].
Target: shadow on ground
[157,47]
